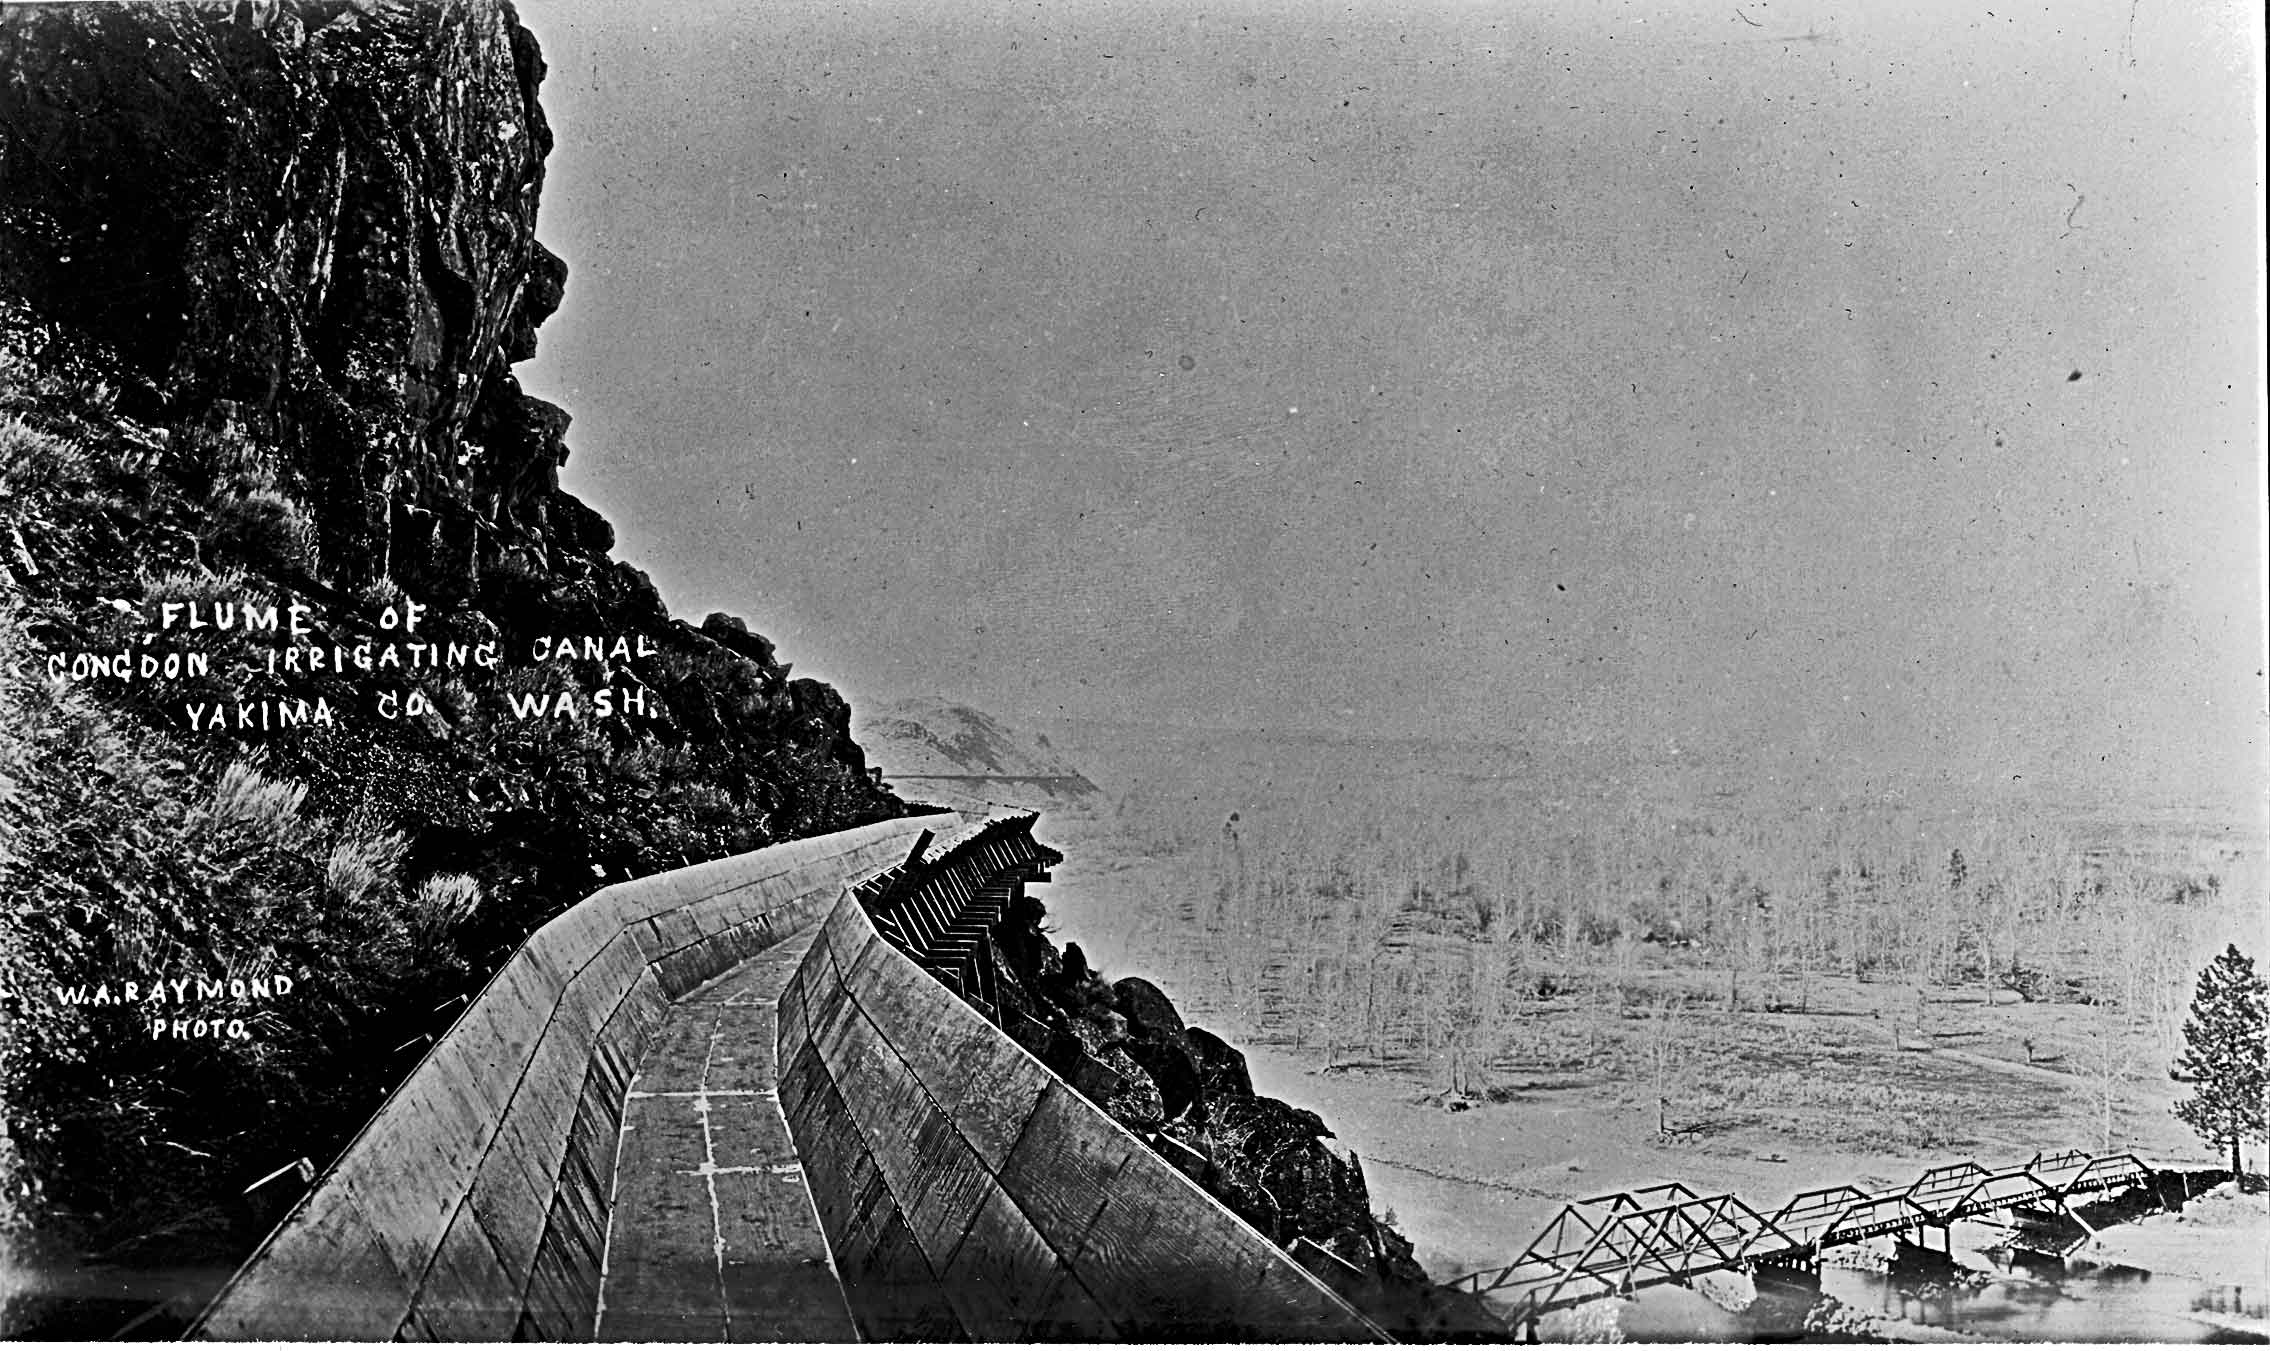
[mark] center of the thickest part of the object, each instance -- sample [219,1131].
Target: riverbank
[2219,1238]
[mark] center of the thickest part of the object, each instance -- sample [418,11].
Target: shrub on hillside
[34,463]
[266,529]
[121,859]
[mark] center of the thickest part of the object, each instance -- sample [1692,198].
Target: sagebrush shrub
[35,464]
[441,906]
[125,857]
[264,526]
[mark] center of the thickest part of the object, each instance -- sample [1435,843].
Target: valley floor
[1864,1087]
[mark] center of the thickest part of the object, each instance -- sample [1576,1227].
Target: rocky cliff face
[265,269]
[300,242]
[315,226]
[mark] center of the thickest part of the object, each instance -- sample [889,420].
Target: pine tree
[2226,1042]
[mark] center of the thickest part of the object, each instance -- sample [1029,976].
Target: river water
[2071,1302]
[2003,1300]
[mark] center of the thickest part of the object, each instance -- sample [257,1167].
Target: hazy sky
[1858,387]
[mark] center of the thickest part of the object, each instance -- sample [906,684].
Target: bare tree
[2107,1060]
[1664,1036]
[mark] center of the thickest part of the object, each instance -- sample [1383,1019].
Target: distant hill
[934,749]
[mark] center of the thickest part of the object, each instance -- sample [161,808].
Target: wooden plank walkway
[713,1236]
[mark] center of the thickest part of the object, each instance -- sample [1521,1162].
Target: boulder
[1148,1010]
[1221,1066]
[1168,1063]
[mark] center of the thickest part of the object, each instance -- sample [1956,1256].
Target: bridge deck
[1627,1241]
[714,1238]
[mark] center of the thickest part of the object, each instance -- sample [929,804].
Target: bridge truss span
[1623,1242]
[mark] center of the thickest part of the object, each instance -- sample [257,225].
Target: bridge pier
[1798,1274]
[2052,1230]
[1521,1324]
[1912,1250]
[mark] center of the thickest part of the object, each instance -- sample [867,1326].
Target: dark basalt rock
[523,443]
[1221,1066]
[1149,1012]
[577,532]
[1169,1064]
[731,633]
[322,213]
[540,296]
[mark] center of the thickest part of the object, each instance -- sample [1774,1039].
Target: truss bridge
[1618,1244]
